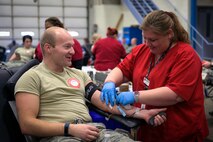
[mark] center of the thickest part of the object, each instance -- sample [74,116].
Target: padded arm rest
[128,122]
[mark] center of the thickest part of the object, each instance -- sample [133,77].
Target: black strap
[90,90]
[66,129]
[152,64]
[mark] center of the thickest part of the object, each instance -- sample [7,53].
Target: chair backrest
[10,85]
[10,53]
[9,126]
[2,53]
[8,92]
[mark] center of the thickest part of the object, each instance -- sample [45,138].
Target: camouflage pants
[115,136]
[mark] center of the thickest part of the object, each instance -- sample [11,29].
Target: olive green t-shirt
[61,94]
[25,54]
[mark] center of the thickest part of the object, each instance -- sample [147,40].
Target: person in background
[108,51]
[12,44]
[49,22]
[208,64]
[22,54]
[165,72]
[123,42]
[11,49]
[133,43]
[95,37]
[87,54]
[2,54]
[77,58]
[50,97]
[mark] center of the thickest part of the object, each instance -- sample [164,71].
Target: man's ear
[47,47]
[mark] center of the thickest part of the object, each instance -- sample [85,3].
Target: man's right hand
[108,93]
[84,131]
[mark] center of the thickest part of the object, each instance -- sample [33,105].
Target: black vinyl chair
[11,51]
[10,85]
[2,53]
[9,95]
[11,130]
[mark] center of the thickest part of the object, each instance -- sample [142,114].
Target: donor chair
[14,131]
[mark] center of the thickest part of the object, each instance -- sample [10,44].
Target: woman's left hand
[125,98]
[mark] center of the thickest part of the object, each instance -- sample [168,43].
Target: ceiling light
[4,33]
[73,33]
[27,33]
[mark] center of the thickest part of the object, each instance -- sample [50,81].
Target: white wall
[180,7]
[108,15]
[21,15]
[128,19]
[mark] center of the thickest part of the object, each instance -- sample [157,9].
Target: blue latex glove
[108,93]
[125,98]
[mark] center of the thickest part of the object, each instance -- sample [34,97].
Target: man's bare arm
[27,107]
[142,114]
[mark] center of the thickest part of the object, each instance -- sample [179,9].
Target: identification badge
[146,81]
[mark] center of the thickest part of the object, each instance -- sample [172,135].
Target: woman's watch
[136,95]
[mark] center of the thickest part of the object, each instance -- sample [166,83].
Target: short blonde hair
[95,37]
[48,37]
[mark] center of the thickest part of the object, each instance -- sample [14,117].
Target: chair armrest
[128,122]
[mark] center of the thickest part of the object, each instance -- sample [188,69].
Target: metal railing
[134,11]
[199,43]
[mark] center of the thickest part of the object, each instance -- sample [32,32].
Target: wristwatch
[136,94]
[66,129]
